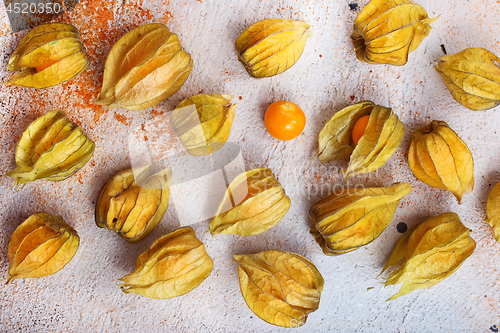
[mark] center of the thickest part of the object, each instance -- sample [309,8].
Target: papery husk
[439,158]
[493,210]
[430,252]
[42,245]
[146,66]
[53,42]
[174,265]
[203,123]
[52,148]
[133,203]
[386,31]
[383,134]
[473,77]
[281,288]
[270,47]
[254,202]
[344,222]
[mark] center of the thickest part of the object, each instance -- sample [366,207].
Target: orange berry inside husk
[41,67]
[359,128]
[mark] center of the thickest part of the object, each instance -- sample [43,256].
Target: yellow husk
[174,265]
[439,158]
[382,137]
[430,252]
[203,123]
[386,31]
[40,246]
[253,203]
[344,222]
[473,77]
[146,66]
[133,207]
[51,148]
[270,47]
[281,288]
[54,42]
[493,210]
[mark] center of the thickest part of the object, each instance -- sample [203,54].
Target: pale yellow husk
[254,202]
[383,135]
[51,148]
[493,210]
[40,246]
[439,158]
[281,288]
[473,77]
[132,203]
[270,47]
[386,31]
[429,252]
[56,44]
[174,265]
[146,66]
[203,123]
[344,222]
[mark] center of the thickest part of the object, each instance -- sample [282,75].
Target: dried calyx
[270,47]
[133,202]
[386,31]
[379,139]
[51,148]
[48,55]
[146,66]
[42,245]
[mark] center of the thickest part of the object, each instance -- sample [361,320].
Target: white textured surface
[83,297]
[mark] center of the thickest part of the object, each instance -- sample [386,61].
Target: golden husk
[174,265]
[131,204]
[344,222]
[430,252]
[493,210]
[40,246]
[51,148]
[281,288]
[203,123]
[439,158]
[146,66]
[382,137]
[473,77]
[254,202]
[270,47]
[56,44]
[386,31]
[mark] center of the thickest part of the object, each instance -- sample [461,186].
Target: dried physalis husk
[48,55]
[51,148]
[270,47]
[282,288]
[132,202]
[146,66]
[42,245]
[493,210]
[344,222]
[473,78]
[203,123]
[439,158]
[429,252]
[254,202]
[174,265]
[382,136]
[386,31]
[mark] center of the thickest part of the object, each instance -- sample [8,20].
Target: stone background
[84,297]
